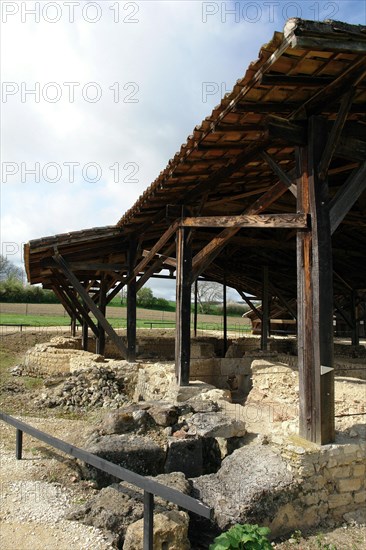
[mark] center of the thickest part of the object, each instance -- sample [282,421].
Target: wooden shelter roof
[246,148]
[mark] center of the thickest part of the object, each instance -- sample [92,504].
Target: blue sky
[117,87]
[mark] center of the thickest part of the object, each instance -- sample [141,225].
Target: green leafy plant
[243,537]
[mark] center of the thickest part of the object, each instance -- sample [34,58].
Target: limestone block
[164,414]
[360,497]
[170,531]
[338,500]
[338,473]
[137,453]
[216,425]
[184,455]
[349,485]
[358,470]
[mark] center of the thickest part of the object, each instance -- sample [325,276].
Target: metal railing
[149,486]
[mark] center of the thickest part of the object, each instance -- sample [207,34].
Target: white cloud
[168,54]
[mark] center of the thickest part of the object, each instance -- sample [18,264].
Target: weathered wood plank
[346,197]
[131,303]
[250,304]
[271,221]
[80,307]
[283,300]
[265,310]
[100,342]
[154,267]
[224,312]
[90,303]
[289,131]
[205,256]
[287,179]
[183,307]
[335,133]
[337,44]
[315,294]
[295,80]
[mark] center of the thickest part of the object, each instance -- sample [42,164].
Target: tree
[8,270]
[145,297]
[208,293]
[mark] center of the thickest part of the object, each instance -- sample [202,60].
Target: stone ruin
[204,440]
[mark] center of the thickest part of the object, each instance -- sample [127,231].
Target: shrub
[243,537]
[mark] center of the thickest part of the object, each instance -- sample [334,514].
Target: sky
[96,97]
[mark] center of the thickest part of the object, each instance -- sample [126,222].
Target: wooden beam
[90,303]
[80,307]
[250,304]
[244,107]
[283,300]
[224,292]
[84,335]
[158,264]
[102,299]
[295,80]
[71,310]
[288,131]
[335,134]
[183,307]
[203,258]
[315,295]
[336,44]
[166,259]
[87,266]
[143,263]
[355,340]
[270,221]
[265,311]
[286,179]
[131,303]
[343,314]
[73,326]
[349,193]
[195,317]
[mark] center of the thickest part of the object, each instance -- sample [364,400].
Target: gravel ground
[32,511]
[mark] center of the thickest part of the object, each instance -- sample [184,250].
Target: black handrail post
[18,444]
[148,520]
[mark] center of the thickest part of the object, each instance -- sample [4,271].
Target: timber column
[183,307]
[131,303]
[100,347]
[265,310]
[315,293]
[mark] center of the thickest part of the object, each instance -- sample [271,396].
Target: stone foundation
[59,356]
[331,482]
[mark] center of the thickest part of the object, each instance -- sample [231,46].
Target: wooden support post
[131,303]
[265,311]
[100,345]
[73,326]
[355,322]
[250,304]
[224,292]
[195,307]
[90,304]
[84,336]
[315,294]
[183,307]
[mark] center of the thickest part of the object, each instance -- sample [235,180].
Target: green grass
[34,320]
[49,321]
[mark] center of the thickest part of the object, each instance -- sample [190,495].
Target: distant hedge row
[13,290]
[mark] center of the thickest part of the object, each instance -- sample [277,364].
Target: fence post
[18,444]
[148,520]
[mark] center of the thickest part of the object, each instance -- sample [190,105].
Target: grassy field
[55,315]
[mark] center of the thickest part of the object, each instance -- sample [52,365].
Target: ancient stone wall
[331,483]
